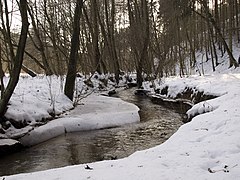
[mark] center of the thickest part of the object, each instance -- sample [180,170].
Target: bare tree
[71,74]
[39,45]
[17,59]
[209,18]
[139,34]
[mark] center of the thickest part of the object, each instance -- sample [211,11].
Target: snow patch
[97,113]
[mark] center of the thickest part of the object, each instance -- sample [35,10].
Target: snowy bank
[37,100]
[206,148]
[96,112]
[8,142]
[8,146]
[33,103]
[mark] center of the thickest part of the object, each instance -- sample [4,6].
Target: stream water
[156,126]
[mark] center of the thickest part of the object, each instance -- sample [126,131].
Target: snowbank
[97,112]
[40,99]
[206,148]
[8,146]
[8,142]
[36,99]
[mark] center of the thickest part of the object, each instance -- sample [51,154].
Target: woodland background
[153,38]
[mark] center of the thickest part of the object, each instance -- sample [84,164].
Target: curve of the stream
[156,126]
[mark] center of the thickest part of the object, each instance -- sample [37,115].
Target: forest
[119,89]
[153,38]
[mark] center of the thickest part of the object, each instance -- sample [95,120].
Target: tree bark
[95,36]
[18,59]
[40,47]
[71,74]
[139,32]
[209,18]
[28,71]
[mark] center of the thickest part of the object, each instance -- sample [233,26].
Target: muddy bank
[182,102]
[9,146]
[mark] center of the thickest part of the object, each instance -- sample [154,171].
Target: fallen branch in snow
[225,169]
[203,129]
[79,98]
[214,171]
[88,168]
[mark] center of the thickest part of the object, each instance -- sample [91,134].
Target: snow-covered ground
[38,100]
[96,112]
[206,148]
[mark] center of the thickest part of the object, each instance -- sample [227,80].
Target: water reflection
[157,124]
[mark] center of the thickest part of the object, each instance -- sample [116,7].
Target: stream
[156,126]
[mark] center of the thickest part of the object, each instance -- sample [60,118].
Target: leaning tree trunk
[71,74]
[18,59]
[210,19]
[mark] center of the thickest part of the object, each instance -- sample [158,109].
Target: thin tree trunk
[17,60]
[211,48]
[95,36]
[40,46]
[210,19]
[237,19]
[28,71]
[230,28]
[1,72]
[192,50]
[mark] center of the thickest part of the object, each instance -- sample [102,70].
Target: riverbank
[156,125]
[38,110]
[94,112]
[207,147]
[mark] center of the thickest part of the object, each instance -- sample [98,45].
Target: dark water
[156,126]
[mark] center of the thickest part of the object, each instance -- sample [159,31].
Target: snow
[97,112]
[8,142]
[206,148]
[36,98]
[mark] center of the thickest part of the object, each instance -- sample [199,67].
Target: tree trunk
[71,74]
[40,46]
[28,71]
[109,36]
[139,34]
[237,19]
[209,18]
[230,24]
[95,36]
[1,72]
[18,59]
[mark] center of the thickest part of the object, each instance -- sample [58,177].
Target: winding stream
[156,126]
